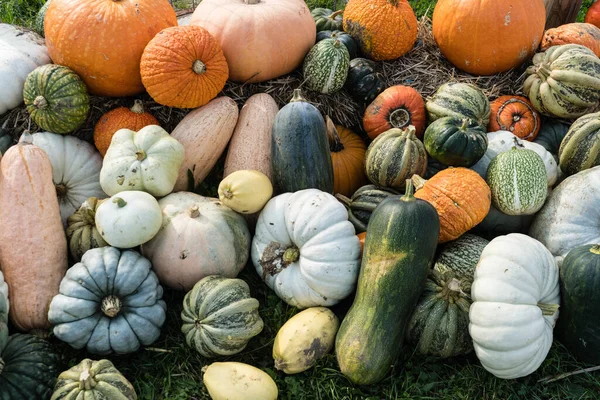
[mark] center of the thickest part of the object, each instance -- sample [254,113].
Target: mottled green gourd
[518,182]
[580,148]
[326,66]
[460,100]
[456,142]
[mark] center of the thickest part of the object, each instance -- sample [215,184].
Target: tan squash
[250,146]
[204,133]
[33,245]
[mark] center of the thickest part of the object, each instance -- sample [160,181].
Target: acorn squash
[363,82]
[327,20]
[456,142]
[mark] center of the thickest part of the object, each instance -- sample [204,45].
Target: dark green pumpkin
[433,167]
[363,82]
[56,98]
[400,246]
[300,157]
[327,20]
[580,148]
[551,135]
[578,327]
[28,368]
[6,139]
[343,37]
[496,223]
[456,142]
[362,204]
[38,24]
[461,100]
[325,66]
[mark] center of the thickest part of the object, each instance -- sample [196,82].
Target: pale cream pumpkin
[245,191]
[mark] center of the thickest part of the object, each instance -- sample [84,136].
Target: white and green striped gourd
[326,66]
[517,179]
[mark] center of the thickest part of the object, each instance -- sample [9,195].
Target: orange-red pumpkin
[134,118]
[183,67]
[361,238]
[587,35]
[516,115]
[396,107]
[484,37]
[593,15]
[103,40]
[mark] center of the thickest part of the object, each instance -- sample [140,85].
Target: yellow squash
[245,191]
[234,380]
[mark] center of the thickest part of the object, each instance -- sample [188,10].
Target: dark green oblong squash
[455,142]
[551,134]
[300,156]
[400,246]
[343,37]
[580,148]
[362,204]
[327,20]
[578,327]
[363,82]
[460,100]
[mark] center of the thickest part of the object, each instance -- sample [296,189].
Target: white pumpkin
[21,51]
[502,141]
[305,249]
[147,160]
[4,290]
[75,170]
[571,215]
[128,219]
[515,297]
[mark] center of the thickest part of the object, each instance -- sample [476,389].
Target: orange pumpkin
[587,35]
[184,67]
[361,238]
[396,107]
[103,40]
[593,15]
[514,114]
[460,196]
[384,29]
[261,39]
[348,159]
[484,37]
[134,118]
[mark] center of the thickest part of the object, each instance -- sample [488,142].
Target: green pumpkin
[38,24]
[363,82]
[395,156]
[433,167]
[551,135]
[325,67]
[327,20]
[455,142]
[579,322]
[82,233]
[28,368]
[56,98]
[343,37]
[110,302]
[93,380]
[580,148]
[460,100]
[518,182]
[219,316]
[497,223]
[362,204]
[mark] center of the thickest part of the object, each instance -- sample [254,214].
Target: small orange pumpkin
[361,238]
[516,115]
[183,67]
[460,196]
[396,107]
[593,15]
[587,35]
[348,159]
[134,118]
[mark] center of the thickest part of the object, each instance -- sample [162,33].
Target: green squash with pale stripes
[219,316]
[455,142]
[459,100]
[363,202]
[326,66]
[56,98]
[518,182]
[580,148]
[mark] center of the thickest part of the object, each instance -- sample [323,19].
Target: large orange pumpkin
[103,40]
[396,107]
[261,39]
[384,29]
[183,67]
[593,15]
[587,35]
[514,114]
[484,37]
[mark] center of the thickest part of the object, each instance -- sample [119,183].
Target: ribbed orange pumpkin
[514,114]
[184,67]
[384,29]
[396,107]
[587,35]
[134,118]
[484,37]
[103,40]
[460,196]
[593,15]
[348,159]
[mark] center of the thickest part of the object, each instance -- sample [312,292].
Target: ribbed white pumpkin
[515,296]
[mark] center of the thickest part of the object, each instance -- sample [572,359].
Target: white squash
[128,219]
[305,249]
[147,160]
[515,296]
[245,191]
[4,290]
[21,51]
[234,380]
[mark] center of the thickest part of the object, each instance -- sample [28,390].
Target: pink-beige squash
[204,133]
[33,245]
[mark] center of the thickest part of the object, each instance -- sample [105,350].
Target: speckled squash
[580,148]
[455,142]
[343,37]
[516,115]
[362,204]
[325,67]
[82,233]
[585,34]
[461,100]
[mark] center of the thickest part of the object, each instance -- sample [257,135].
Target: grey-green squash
[219,316]
[518,182]
[362,204]
[326,66]
[580,148]
[455,142]
[460,100]
[82,234]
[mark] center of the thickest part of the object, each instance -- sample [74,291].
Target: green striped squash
[455,142]
[517,179]
[551,135]
[326,66]
[56,98]
[580,148]
[460,100]
[219,316]
[362,204]
[395,156]
[38,24]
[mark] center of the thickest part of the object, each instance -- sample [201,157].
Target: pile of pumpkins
[426,223]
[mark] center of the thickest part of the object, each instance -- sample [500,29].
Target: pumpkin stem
[399,118]
[138,107]
[251,1]
[194,211]
[465,124]
[393,2]
[280,364]
[276,258]
[543,71]
[595,249]
[417,181]
[297,96]
[291,255]
[40,102]
[141,155]
[344,200]
[409,191]
[228,194]
[61,191]
[518,143]
[120,202]
[411,132]
[199,67]
[335,14]
[86,380]
[111,306]
[548,309]
[335,144]
[26,138]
